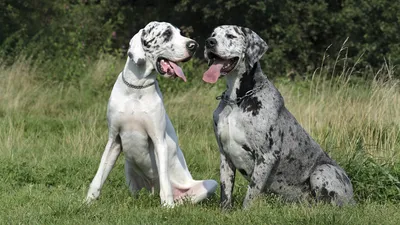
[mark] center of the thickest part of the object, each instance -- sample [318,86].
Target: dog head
[160,46]
[232,48]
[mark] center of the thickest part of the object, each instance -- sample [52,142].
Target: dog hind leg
[329,183]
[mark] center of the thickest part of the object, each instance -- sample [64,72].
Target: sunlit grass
[52,136]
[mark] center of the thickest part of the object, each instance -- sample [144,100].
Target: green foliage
[63,37]
[373,181]
[67,36]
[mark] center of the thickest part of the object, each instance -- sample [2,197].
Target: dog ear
[135,51]
[255,47]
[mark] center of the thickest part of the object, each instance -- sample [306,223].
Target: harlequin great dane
[139,125]
[257,135]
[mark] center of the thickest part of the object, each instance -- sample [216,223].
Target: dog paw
[90,200]
[168,205]
[92,196]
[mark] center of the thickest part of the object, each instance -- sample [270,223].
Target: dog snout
[211,42]
[192,46]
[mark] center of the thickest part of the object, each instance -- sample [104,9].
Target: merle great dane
[258,136]
[139,125]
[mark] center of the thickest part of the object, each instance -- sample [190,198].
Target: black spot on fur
[223,191]
[150,29]
[332,194]
[260,160]
[281,134]
[243,172]
[306,185]
[246,148]
[345,178]
[167,35]
[339,177]
[236,29]
[145,44]
[252,105]
[301,166]
[252,184]
[247,83]
[271,129]
[271,142]
[314,193]
[151,40]
[289,157]
[324,191]
[245,31]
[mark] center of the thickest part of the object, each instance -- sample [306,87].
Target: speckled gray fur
[260,138]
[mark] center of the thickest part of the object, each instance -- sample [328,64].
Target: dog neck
[138,75]
[239,83]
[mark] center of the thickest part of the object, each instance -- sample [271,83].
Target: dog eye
[230,36]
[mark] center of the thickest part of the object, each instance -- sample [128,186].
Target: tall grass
[52,136]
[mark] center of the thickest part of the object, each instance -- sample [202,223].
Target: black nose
[192,46]
[211,42]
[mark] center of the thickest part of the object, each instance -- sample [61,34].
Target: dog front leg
[262,170]
[166,195]
[227,176]
[110,155]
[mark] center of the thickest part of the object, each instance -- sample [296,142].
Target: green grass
[52,136]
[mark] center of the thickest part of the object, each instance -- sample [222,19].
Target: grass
[53,135]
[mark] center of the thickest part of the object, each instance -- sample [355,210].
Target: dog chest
[234,143]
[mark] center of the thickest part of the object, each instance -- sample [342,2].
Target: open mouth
[218,66]
[165,66]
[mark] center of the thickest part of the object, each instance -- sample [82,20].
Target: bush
[68,35]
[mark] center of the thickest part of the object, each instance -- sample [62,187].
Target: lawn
[52,136]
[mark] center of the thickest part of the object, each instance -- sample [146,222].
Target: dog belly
[139,151]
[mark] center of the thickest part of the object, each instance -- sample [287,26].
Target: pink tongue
[212,74]
[178,71]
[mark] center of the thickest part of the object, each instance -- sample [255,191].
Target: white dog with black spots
[139,126]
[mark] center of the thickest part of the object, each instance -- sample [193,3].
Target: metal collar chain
[249,93]
[135,86]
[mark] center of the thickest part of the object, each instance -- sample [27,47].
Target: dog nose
[211,42]
[191,45]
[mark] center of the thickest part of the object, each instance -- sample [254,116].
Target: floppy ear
[255,48]
[135,51]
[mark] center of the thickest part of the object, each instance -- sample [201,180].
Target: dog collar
[135,86]
[249,93]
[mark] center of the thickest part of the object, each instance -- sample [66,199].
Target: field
[52,136]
